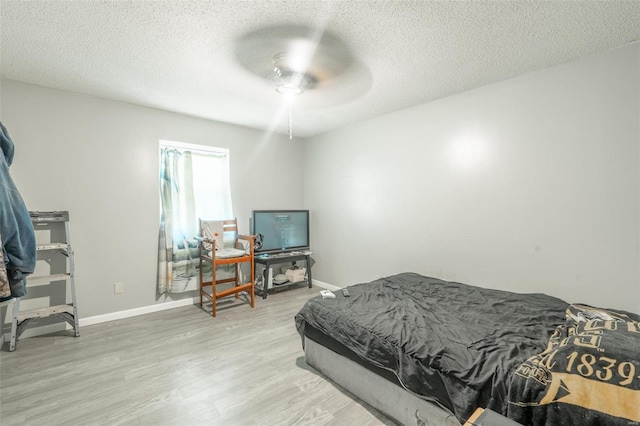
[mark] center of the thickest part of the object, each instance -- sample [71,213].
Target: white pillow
[214,230]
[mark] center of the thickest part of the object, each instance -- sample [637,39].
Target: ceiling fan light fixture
[289,89]
[291,83]
[287,80]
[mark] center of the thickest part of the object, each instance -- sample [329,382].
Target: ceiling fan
[295,59]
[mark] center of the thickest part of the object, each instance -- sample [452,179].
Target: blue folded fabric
[18,237]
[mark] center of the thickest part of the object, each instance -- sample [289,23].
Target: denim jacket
[18,238]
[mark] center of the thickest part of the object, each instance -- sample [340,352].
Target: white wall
[99,159]
[530,185]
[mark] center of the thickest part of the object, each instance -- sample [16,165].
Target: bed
[420,348]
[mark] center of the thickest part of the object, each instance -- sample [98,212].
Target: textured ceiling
[181,55]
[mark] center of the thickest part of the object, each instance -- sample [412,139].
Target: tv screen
[282,230]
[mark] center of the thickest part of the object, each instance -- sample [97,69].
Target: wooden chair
[214,251]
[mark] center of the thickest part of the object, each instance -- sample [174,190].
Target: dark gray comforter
[452,342]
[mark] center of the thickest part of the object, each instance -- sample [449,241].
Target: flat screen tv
[281,230]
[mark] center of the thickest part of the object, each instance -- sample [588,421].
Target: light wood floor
[177,367]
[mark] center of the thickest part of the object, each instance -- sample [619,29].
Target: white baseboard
[164,306]
[97,319]
[326,285]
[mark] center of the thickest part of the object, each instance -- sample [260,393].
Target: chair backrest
[216,230]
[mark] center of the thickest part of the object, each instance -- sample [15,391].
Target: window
[194,183]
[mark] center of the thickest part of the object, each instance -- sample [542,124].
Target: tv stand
[288,257]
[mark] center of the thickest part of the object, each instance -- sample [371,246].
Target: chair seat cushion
[228,253]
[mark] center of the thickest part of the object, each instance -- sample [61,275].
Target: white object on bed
[327,294]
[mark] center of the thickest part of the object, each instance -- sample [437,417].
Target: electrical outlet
[118,288]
